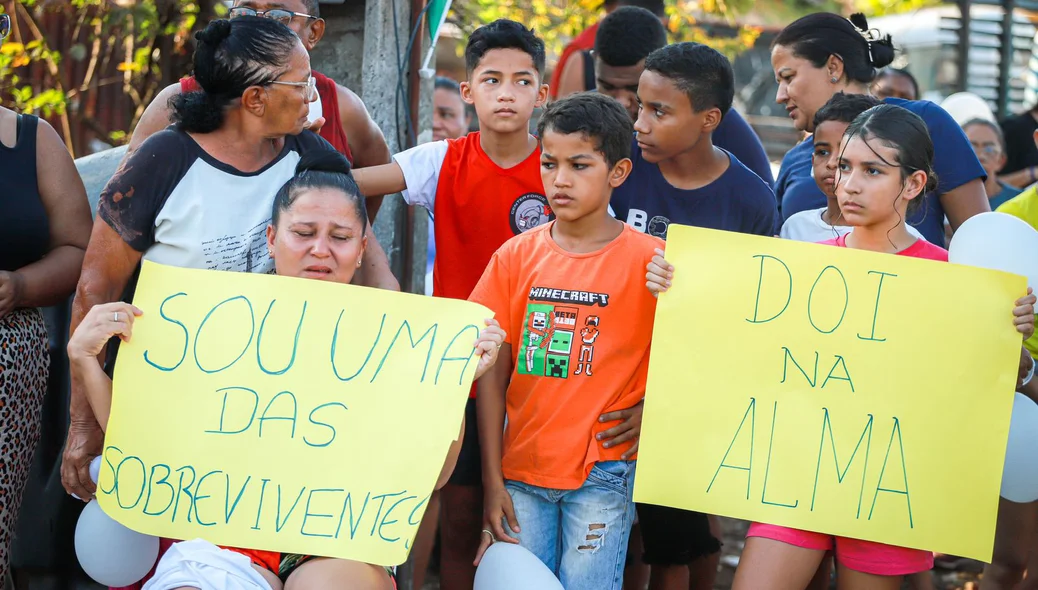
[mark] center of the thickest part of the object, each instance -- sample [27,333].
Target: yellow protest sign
[834,390]
[285,414]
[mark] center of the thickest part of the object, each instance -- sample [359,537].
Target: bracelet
[1030,374]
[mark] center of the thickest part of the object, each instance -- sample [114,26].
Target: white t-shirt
[808,226]
[421,167]
[177,205]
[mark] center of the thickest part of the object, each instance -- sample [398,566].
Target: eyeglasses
[987,150]
[279,14]
[310,85]
[5,26]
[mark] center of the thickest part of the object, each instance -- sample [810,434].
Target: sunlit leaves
[558,21]
[119,35]
[884,7]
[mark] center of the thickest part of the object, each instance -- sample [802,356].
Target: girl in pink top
[886,163]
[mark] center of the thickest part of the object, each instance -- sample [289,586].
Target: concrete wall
[362,49]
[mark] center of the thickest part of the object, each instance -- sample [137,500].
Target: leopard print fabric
[24,367]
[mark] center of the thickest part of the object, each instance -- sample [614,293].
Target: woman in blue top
[823,53]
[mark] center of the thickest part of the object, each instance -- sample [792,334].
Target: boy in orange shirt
[572,298]
[482,189]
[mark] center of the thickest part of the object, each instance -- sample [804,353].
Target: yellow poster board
[834,390]
[285,414]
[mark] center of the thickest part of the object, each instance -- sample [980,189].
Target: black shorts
[674,537]
[469,470]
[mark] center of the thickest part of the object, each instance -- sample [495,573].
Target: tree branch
[52,68]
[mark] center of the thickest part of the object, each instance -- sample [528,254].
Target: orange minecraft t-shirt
[580,327]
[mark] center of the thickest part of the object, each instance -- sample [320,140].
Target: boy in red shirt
[481,189]
[572,298]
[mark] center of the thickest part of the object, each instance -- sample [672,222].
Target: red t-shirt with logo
[477,205]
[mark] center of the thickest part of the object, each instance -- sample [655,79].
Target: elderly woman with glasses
[199,193]
[348,126]
[44,228]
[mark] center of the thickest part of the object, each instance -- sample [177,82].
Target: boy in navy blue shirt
[680,176]
[624,39]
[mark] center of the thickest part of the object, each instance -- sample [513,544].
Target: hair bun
[881,51]
[860,22]
[215,32]
[327,160]
[881,47]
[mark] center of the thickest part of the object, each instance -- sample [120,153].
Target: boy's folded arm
[375,181]
[414,172]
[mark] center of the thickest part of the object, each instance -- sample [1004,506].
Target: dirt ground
[964,577]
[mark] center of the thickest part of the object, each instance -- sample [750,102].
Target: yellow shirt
[1025,206]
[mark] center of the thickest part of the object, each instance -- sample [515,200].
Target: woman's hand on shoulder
[101,324]
[1023,314]
[658,274]
[489,344]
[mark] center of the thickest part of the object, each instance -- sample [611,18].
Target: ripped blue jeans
[581,534]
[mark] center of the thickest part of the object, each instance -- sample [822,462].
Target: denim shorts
[581,534]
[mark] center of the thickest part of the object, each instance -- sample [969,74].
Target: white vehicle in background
[927,42]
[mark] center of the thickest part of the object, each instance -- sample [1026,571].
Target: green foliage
[14,57]
[558,21]
[135,46]
[885,7]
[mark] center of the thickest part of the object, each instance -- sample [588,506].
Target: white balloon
[965,106]
[1020,474]
[95,469]
[997,241]
[510,567]
[110,553]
